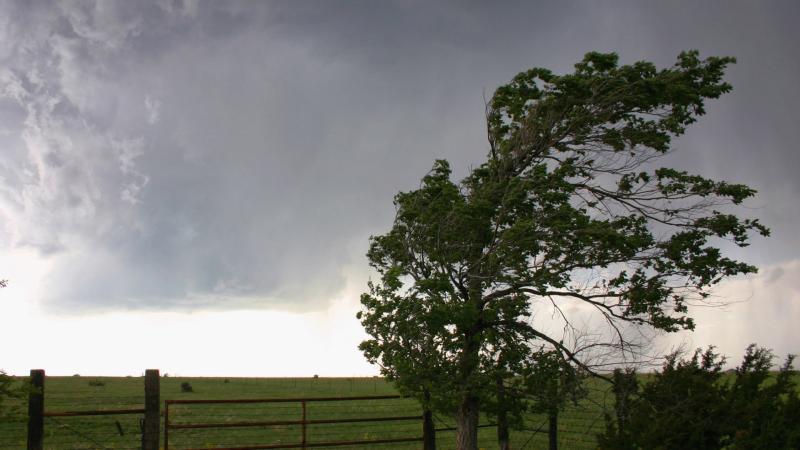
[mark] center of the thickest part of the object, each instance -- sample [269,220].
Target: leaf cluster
[550,382]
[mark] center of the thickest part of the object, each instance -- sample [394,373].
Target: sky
[191,185]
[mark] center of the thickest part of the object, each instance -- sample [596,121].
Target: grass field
[577,426]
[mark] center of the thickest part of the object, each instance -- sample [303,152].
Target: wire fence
[100,432]
[78,432]
[578,425]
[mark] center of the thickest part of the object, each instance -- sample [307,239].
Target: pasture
[577,426]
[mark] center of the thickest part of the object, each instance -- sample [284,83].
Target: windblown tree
[570,209]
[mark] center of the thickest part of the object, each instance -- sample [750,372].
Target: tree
[550,382]
[625,385]
[568,209]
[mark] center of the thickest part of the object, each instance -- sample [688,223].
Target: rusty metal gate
[284,423]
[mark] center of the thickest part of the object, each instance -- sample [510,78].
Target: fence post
[552,431]
[428,431]
[303,425]
[428,428]
[152,417]
[36,411]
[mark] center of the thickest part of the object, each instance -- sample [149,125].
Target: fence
[149,420]
[284,423]
[71,415]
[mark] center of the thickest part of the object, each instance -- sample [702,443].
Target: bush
[12,391]
[691,404]
[97,383]
[186,387]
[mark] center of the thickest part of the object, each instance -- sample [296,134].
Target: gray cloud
[197,154]
[759,311]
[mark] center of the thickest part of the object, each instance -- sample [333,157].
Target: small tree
[625,386]
[551,383]
[568,209]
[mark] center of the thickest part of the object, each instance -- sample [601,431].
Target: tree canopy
[570,208]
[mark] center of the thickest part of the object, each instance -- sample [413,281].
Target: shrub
[12,391]
[692,404]
[97,383]
[186,387]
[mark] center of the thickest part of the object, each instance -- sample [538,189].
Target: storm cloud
[189,155]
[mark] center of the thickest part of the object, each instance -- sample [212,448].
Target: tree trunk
[428,427]
[552,433]
[467,413]
[467,424]
[502,418]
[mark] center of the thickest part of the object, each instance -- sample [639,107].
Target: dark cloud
[197,154]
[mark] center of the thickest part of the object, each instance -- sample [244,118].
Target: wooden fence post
[152,417]
[552,431]
[428,431]
[303,425]
[36,411]
[428,428]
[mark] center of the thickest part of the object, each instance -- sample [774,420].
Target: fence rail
[117,416]
[304,422]
[99,412]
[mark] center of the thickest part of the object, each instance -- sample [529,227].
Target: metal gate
[284,423]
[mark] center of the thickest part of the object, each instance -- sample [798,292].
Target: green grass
[577,426]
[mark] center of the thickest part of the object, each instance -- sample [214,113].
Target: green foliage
[568,207]
[551,382]
[763,408]
[12,396]
[692,404]
[186,387]
[625,384]
[10,389]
